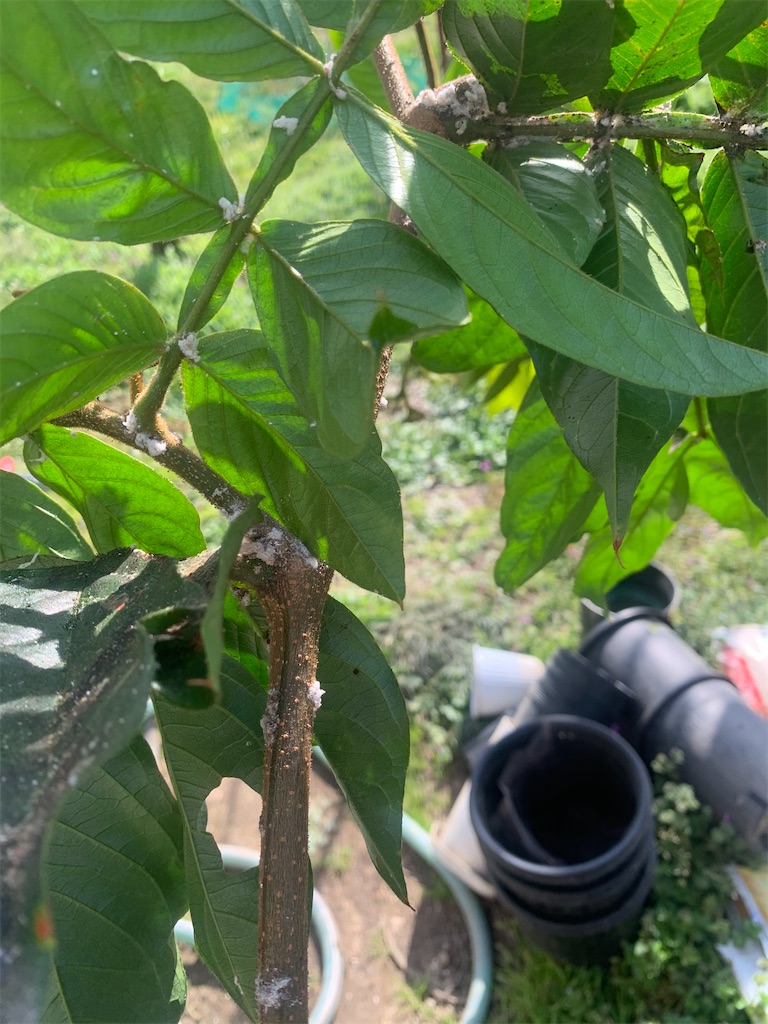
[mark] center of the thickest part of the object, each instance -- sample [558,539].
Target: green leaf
[714,488]
[660,501]
[97,147]
[485,341]
[201,748]
[533,55]
[661,48]
[329,297]
[363,76]
[362,728]
[122,501]
[33,524]
[360,267]
[247,427]
[296,127]
[115,879]
[76,670]
[734,196]
[614,427]
[343,15]
[66,341]
[248,41]
[740,79]
[490,236]
[207,262]
[559,188]
[547,494]
[213,621]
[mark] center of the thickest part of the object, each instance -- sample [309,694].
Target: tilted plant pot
[562,810]
[571,685]
[654,587]
[687,704]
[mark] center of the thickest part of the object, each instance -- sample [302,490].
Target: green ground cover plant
[550,233]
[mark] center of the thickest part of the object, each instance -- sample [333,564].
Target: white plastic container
[500,680]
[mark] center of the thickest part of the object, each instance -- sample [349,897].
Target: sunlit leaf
[714,488]
[362,728]
[547,494]
[740,79]
[660,501]
[97,147]
[661,47]
[490,236]
[485,341]
[122,501]
[736,200]
[66,341]
[247,426]
[246,41]
[32,524]
[533,54]
[344,15]
[118,823]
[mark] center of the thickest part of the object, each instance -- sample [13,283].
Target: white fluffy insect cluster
[289,123]
[154,446]
[231,210]
[269,994]
[315,693]
[188,346]
[267,548]
[338,92]
[463,99]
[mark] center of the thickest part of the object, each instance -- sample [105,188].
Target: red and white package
[744,659]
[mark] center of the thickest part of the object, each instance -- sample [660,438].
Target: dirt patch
[401,965]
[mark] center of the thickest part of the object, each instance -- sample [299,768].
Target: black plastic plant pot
[686,704]
[654,587]
[572,685]
[562,810]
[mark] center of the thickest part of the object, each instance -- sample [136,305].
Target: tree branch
[174,455]
[459,111]
[393,78]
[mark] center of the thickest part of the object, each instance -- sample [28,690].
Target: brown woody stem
[292,588]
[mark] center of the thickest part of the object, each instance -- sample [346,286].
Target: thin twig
[428,58]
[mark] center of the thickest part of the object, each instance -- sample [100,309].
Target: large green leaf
[660,501]
[115,880]
[209,262]
[714,488]
[297,126]
[559,188]
[229,40]
[660,47]
[329,297]
[66,341]
[97,147]
[494,241]
[33,524]
[122,501]
[247,426]
[614,427]
[547,494]
[740,79]
[736,201]
[486,341]
[362,728]
[344,15]
[76,670]
[533,54]
[201,748]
